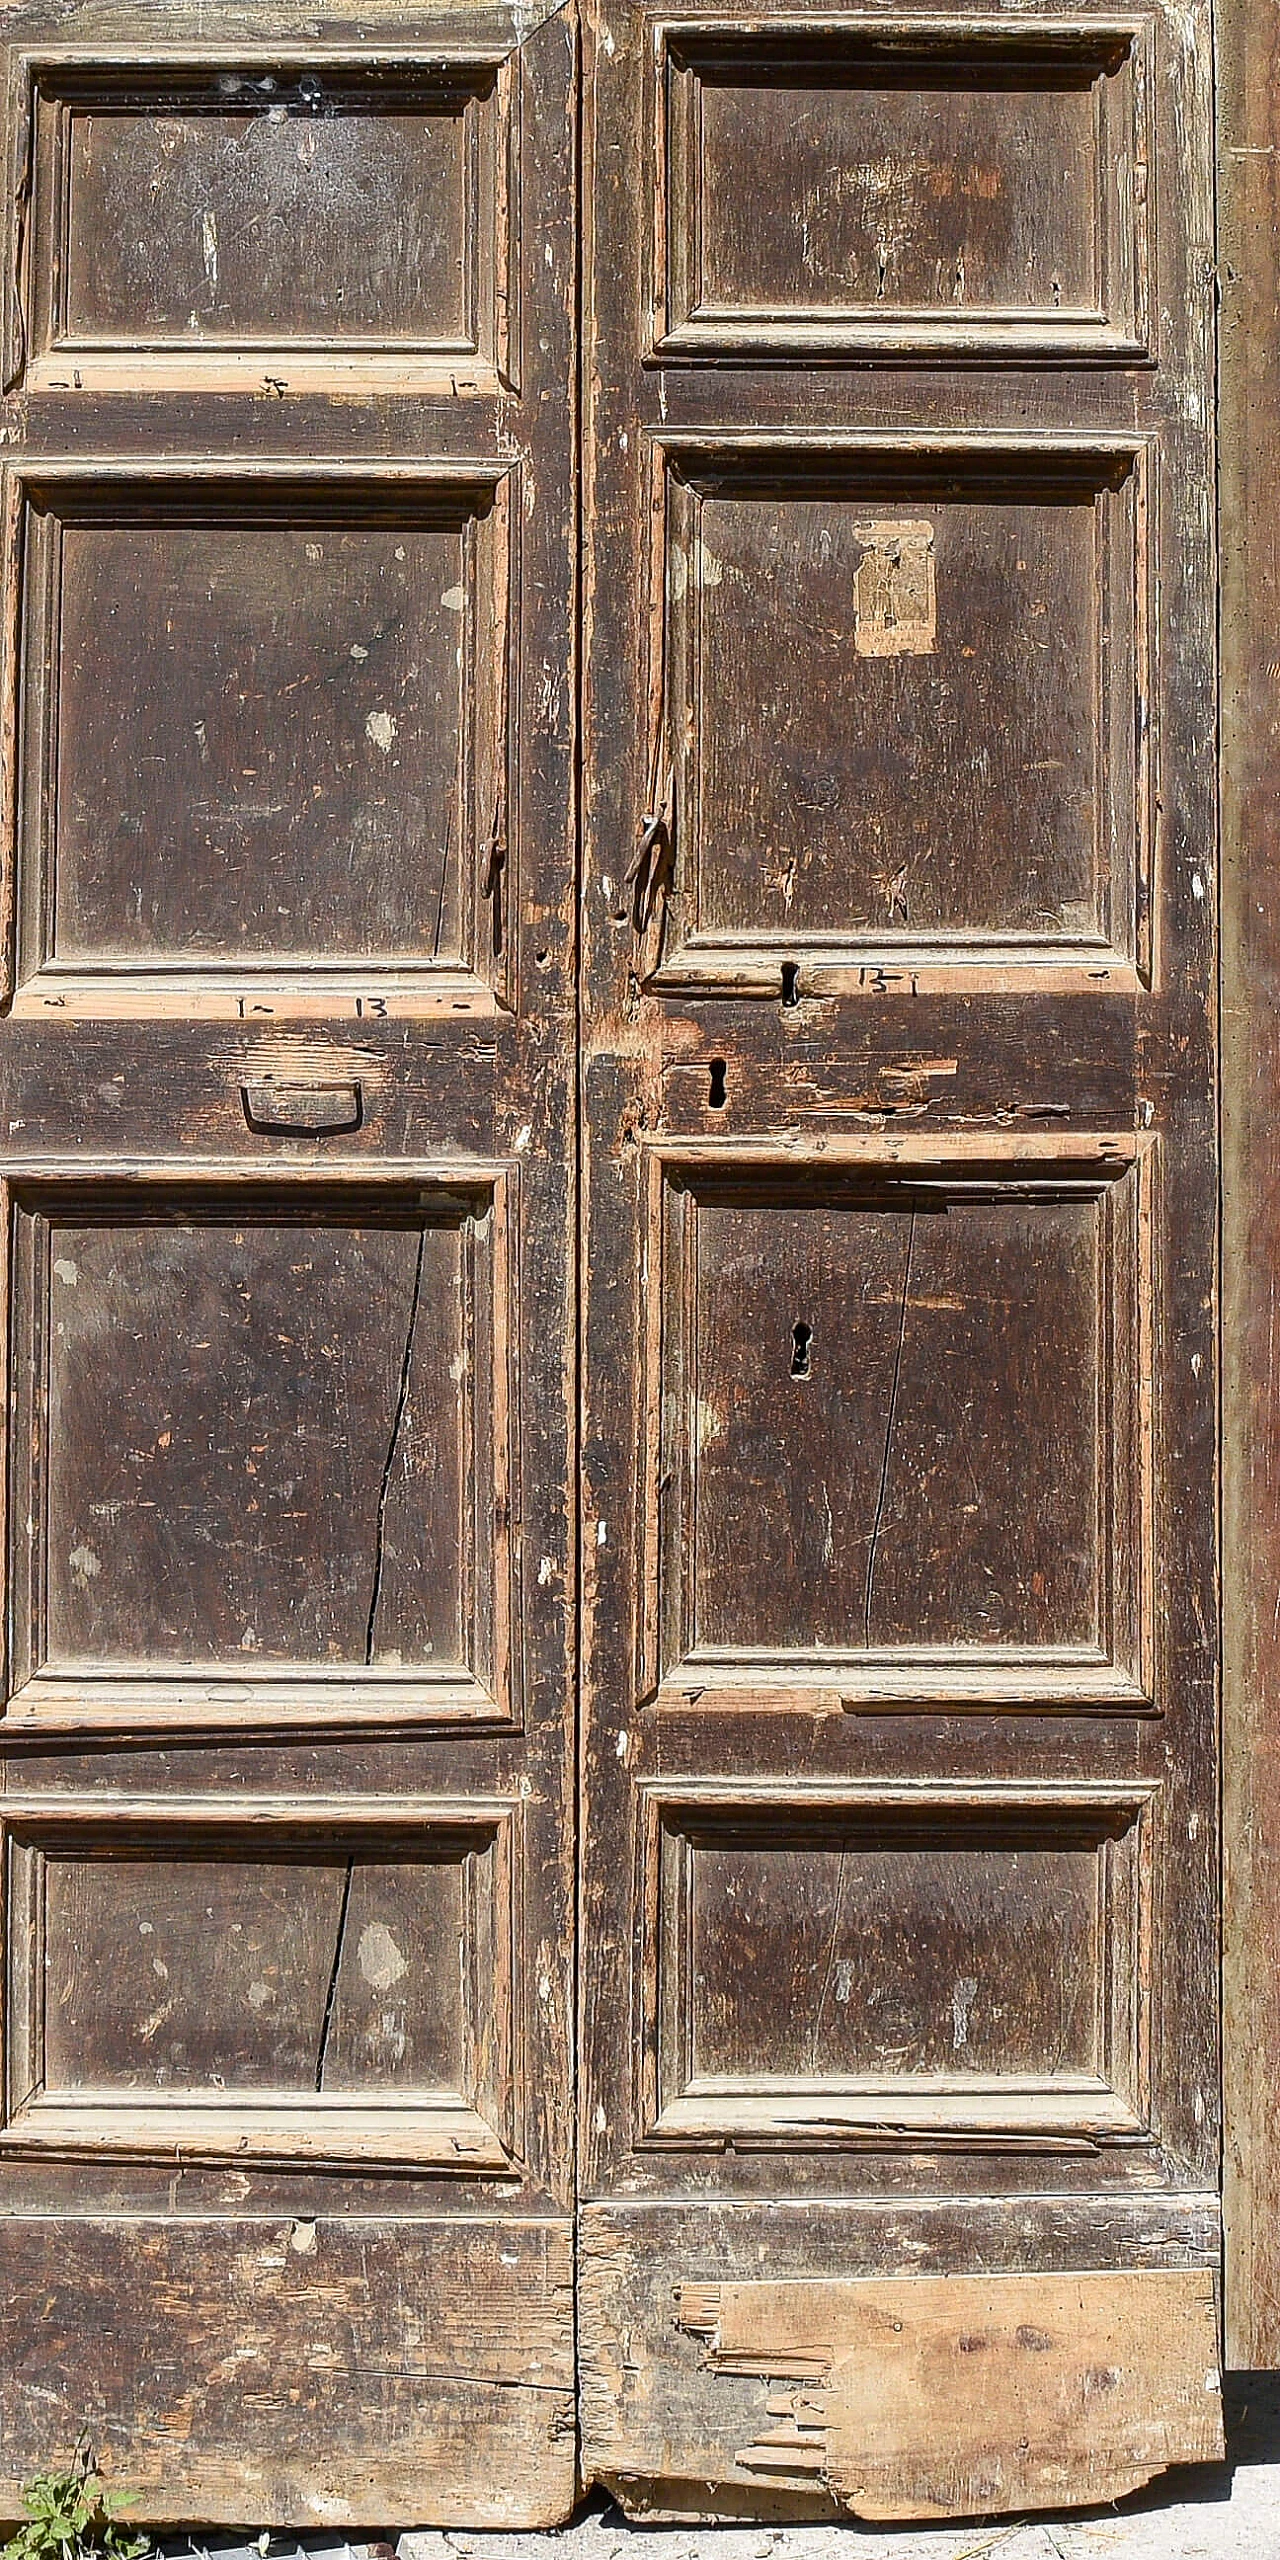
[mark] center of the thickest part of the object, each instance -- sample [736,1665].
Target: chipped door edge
[921,2398]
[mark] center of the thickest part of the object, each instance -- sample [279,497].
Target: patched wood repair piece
[970,2395]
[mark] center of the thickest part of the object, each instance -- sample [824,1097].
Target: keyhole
[716,1095]
[790,974]
[801,1339]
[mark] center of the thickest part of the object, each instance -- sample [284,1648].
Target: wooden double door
[607,1118]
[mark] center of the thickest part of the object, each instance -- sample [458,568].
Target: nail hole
[801,1339]
[716,1092]
[790,975]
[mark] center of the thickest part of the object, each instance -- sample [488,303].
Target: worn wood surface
[287,1096]
[359,2369]
[1249,116]
[667,2417]
[900,1189]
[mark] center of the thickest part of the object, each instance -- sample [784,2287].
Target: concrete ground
[1230,2514]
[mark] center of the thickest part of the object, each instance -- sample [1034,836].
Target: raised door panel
[853,1482]
[883,1968]
[907,705]
[200,215]
[267,1449]
[315,671]
[933,189]
[309,1991]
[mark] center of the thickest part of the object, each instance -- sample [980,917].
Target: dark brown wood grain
[898,1094]
[286,1190]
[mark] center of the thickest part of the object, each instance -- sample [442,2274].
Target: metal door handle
[307,1110]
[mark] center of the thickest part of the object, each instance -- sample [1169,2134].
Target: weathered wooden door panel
[287,1080]
[900,1835]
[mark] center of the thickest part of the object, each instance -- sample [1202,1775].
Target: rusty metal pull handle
[647,873]
[303,1110]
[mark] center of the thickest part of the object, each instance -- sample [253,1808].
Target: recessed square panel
[952,1964]
[904,702]
[899,1449]
[264,1456]
[185,1981]
[926,189]
[213,219]
[260,729]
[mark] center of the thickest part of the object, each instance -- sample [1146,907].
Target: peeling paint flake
[379,1957]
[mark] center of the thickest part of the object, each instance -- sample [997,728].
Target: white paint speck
[380,729]
[1197,885]
[209,244]
[546,1573]
[962,2000]
[356,652]
[602,1533]
[85,1565]
[623,1743]
[65,1271]
[523,1137]
[381,1962]
[844,1981]
[261,1995]
[453,599]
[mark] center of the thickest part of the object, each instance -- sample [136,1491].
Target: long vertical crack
[882,1488]
[334,1971]
[397,1420]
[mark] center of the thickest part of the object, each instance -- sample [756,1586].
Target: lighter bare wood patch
[969,2395]
[895,594]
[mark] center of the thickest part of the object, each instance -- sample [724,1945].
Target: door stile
[1248,119]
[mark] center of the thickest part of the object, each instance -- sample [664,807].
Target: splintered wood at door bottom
[301,2372]
[887,2398]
